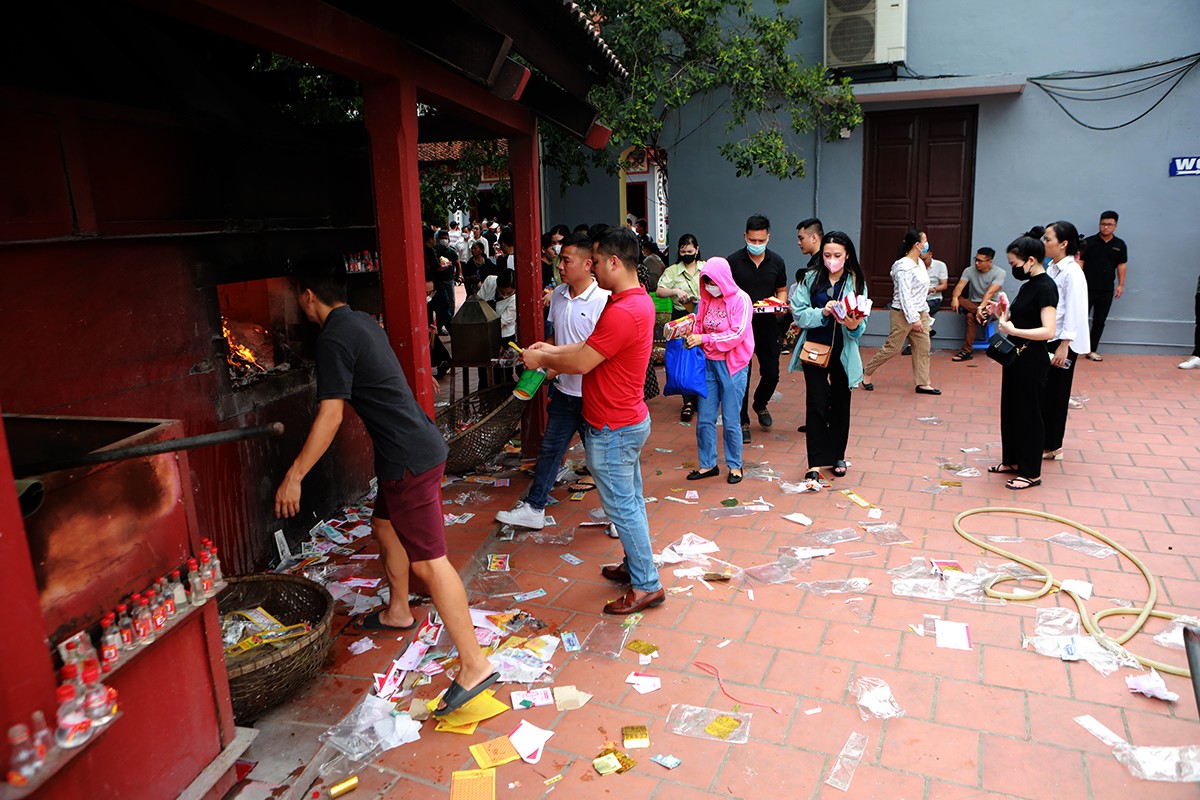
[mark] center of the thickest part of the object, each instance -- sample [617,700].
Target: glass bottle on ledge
[24,763]
[74,727]
[218,574]
[110,640]
[42,738]
[143,624]
[96,704]
[195,588]
[178,591]
[206,574]
[125,627]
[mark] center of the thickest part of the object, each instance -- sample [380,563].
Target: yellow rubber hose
[1090,623]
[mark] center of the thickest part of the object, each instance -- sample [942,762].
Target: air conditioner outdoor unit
[865,32]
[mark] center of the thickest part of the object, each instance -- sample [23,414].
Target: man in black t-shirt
[761,273]
[355,364]
[1104,258]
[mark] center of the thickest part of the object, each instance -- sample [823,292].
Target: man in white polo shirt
[575,305]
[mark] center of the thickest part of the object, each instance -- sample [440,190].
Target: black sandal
[812,475]
[685,413]
[839,469]
[1001,469]
[1021,482]
[696,474]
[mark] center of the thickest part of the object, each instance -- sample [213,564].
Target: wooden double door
[919,173]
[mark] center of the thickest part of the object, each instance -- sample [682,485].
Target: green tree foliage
[744,62]
[450,187]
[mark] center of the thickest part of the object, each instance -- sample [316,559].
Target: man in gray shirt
[981,282]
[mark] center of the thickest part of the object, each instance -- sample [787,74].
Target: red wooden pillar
[524,167]
[26,670]
[390,111]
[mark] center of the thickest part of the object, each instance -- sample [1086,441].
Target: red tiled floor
[994,722]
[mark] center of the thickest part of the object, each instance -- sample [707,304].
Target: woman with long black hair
[910,314]
[827,405]
[1029,324]
[1071,336]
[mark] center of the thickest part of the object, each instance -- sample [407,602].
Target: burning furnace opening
[262,329]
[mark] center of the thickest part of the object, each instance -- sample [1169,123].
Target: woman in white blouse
[1071,337]
[910,314]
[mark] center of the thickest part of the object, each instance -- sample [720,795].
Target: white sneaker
[523,516]
[1191,363]
[611,530]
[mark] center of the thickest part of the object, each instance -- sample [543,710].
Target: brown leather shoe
[616,573]
[630,602]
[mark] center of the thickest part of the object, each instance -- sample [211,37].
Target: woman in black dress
[1029,324]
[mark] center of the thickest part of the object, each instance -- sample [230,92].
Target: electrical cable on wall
[1171,71]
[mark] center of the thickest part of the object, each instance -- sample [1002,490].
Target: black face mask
[1020,273]
[687,258]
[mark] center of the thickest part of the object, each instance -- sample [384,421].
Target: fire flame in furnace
[240,354]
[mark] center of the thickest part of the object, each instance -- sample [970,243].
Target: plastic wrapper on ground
[875,699]
[709,723]
[563,537]
[607,639]
[887,533]
[1105,658]
[354,735]
[1172,635]
[1056,622]
[847,761]
[848,586]
[777,571]
[832,536]
[1170,764]
[1082,544]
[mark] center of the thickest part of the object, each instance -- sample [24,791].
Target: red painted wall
[119,329]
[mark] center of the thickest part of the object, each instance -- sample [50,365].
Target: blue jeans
[564,417]
[614,457]
[726,391]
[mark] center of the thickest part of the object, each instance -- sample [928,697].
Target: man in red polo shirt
[613,363]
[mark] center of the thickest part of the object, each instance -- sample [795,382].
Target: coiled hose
[1090,622]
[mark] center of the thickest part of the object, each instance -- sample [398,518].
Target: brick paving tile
[995,721]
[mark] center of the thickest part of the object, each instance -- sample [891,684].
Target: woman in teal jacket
[828,388]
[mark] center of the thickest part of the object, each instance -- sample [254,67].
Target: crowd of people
[597,284]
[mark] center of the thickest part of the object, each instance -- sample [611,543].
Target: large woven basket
[493,415]
[266,676]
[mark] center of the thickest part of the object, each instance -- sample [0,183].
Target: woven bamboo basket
[493,414]
[266,676]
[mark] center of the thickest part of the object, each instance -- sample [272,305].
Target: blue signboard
[1185,165]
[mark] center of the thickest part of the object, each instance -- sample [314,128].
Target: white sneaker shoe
[523,515]
[1191,363]
[611,530]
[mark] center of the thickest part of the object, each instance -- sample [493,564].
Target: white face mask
[557,249]
[715,291]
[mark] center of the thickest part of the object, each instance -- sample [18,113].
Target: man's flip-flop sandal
[580,487]
[373,622]
[456,697]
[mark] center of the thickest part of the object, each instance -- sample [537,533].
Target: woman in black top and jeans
[1029,324]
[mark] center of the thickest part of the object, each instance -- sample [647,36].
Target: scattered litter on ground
[362,645]
[1170,764]
[848,586]
[1081,544]
[1056,621]
[953,635]
[847,761]
[875,699]
[799,519]
[709,723]
[1106,658]
[1151,684]
[1172,635]
[930,420]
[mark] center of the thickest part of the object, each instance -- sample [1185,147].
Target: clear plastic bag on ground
[1082,544]
[969,472]
[887,533]
[494,584]
[832,536]
[1172,764]
[759,472]
[847,761]
[1172,635]
[777,571]
[354,735]
[734,512]
[606,639]
[934,488]
[563,537]
[709,723]
[859,608]
[1105,658]
[1056,622]
[473,498]
[598,516]
[800,488]
[875,699]
[848,586]
[915,568]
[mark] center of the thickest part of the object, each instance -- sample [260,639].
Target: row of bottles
[363,261]
[85,703]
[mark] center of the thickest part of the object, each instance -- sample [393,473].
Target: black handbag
[1003,351]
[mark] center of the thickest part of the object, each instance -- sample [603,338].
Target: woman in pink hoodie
[723,331]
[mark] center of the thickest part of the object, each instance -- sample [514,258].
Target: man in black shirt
[1104,258]
[355,364]
[761,273]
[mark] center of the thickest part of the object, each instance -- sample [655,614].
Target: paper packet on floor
[709,723]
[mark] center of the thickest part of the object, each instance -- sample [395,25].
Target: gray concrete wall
[1033,164]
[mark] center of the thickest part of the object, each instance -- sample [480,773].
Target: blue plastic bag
[685,370]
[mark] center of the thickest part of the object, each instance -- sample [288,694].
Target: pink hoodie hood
[734,341]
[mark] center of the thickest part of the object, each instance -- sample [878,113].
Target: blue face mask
[925,248]
[1049,262]
[756,249]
